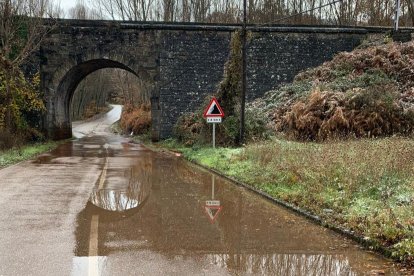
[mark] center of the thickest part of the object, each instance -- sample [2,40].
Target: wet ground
[100,205]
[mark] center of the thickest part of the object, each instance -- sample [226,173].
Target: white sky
[67,4]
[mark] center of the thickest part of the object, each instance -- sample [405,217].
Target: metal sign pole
[214,135]
[213,178]
[244,75]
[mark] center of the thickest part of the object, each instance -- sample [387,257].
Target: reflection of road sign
[212,209]
[213,203]
[213,109]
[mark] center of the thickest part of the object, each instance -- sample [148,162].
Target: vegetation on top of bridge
[364,93]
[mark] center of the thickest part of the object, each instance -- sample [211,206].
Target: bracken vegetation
[365,93]
[136,120]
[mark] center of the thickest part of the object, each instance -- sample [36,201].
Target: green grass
[15,155]
[363,185]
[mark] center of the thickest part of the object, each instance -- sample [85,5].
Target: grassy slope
[15,155]
[365,185]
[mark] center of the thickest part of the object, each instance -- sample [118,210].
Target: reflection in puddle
[91,266]
[147,213]
[213,207]
[43,159]
[126,185]
[284,264]
[117,201]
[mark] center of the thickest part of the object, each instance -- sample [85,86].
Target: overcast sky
[67,4]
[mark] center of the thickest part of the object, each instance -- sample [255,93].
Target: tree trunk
[410,5]
[10,122]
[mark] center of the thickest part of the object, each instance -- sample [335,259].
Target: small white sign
[213,120]
[212,202]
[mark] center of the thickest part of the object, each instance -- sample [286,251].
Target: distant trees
[82,11]
[345,12]
[108,85]
[410,10]
[128,9]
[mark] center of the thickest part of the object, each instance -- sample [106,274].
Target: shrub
[189,128]
[136,119]
[21,106]
[405,250]
[9,140]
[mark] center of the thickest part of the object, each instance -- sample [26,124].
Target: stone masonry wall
[276,58]
[192,63]
[191,66]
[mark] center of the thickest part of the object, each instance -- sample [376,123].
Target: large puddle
[153,213]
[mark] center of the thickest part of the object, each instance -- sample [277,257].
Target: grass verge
[15,155]
[366,186]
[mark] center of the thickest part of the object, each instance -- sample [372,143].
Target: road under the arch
[101,205]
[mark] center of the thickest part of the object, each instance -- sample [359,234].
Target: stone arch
[67,86]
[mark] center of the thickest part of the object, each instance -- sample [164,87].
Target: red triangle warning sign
[212,212]
[213,109]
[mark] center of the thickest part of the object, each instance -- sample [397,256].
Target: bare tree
[21,30]
[127,9]
[82,11]
[346,12]
[410,9]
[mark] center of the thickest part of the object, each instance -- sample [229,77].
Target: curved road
[98,126]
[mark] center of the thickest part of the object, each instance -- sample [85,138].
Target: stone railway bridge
[179,63]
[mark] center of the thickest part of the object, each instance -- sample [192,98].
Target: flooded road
[100,205]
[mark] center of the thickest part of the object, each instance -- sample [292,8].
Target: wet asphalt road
[100,205]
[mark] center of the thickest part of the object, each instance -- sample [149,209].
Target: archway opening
[89,88]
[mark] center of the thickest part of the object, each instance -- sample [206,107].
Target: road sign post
[214,115]
[214,135]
